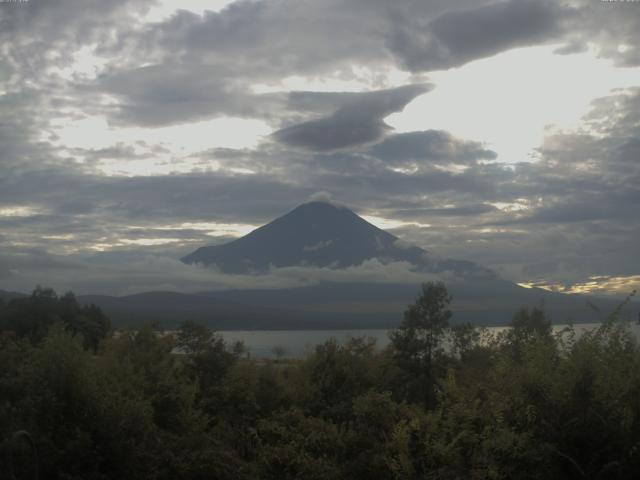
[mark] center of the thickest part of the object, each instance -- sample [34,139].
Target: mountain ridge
[322,234]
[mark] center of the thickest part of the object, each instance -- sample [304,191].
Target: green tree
[86,320]
[417,342]
[193,338]
[527,325]
[367,439]
[335,374]
[464,339]
[208,361]
[31,317]
[294,446]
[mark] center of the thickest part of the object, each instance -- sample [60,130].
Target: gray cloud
[606,25]
[193,67]
[254,36]
[40,34]
[430,147]
[459,36]
[358,122]
[124,273]
[460,211]
[587,207]
[173,93]
[205,65]
[417,35]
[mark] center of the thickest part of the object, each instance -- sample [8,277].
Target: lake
[297,343]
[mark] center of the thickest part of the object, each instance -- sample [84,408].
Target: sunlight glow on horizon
[596,284]
[216,229]
[389,224]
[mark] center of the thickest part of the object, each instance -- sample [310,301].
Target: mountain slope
[170,309]
[321,234]
[336,306]
[6,295]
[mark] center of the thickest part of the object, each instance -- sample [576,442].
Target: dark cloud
[431,147]
[601,206]
[358,122]
[189,197]
[271,38]
[171,93]
[461,35]
[205,65]
[608,26]
[40,34]
[417,35]
[197,67]
[128,272]
[460,211]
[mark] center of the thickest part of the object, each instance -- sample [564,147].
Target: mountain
[322,234]
[6,296]
[333,306]
[170,309]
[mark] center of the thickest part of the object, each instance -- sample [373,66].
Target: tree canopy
[439,402]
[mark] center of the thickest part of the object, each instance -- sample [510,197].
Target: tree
[336,374]
[417,341]
[86,320]
[534,321]
[464,338]
[528,325]
[293,446]
[207,360]
[279,351]
[193,338]
[31,317]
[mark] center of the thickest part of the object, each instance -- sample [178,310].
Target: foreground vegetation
[525,404]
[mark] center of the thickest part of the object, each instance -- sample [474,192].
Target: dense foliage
[440,402]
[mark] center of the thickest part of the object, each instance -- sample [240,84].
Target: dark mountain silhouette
[333,305]
[6,295]
[171,308]
[322,234]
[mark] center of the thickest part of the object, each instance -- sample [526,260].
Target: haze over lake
[297,343]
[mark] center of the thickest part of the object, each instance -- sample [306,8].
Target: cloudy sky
[134,131]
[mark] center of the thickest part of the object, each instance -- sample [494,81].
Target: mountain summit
[319,234]
[314,234]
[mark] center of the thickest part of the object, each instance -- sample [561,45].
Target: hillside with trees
[440,402]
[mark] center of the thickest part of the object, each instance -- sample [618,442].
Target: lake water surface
[297,343]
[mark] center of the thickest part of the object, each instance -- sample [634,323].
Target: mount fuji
[322,234]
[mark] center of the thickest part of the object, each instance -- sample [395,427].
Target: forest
[82,400]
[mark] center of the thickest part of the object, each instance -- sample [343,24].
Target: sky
[502,132]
